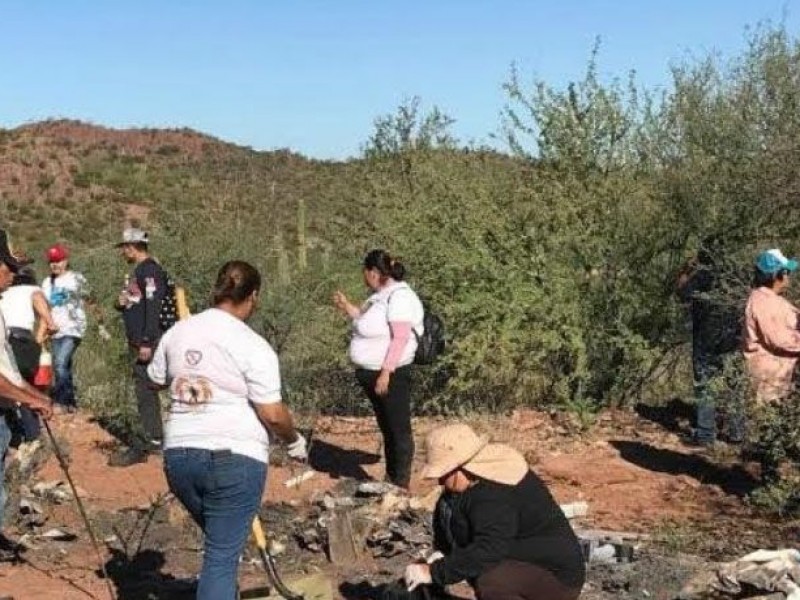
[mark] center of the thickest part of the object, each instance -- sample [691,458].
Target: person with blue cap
[771,334]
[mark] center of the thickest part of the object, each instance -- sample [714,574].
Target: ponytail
[236,282]
[385,264]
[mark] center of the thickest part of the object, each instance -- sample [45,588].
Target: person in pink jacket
[771,334]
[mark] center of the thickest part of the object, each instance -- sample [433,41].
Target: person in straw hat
[496,525]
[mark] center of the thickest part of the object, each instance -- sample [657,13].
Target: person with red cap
[66,291]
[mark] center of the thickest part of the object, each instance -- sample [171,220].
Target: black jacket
[146,291]
[491,522]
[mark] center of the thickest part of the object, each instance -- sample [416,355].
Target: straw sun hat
[452,446]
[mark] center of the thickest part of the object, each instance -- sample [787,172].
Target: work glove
[433,557]
[416,575]
[298,449]
[103,332]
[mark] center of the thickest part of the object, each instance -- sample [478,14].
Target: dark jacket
[146,291]
[491,522]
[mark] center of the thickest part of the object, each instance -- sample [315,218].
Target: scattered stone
[295,481]
[30,507]
[310,539]
[376,488]
[56,491]
[575,509]
[342,546]
[58,535]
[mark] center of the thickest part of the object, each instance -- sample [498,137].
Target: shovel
[269,562]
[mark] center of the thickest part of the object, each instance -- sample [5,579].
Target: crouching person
[496,525]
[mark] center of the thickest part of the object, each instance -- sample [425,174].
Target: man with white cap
[496,524]
[140,303]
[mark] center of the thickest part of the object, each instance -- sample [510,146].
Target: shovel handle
[258,534]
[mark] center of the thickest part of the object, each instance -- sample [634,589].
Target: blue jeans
[63,350]
[5,439]
[706,365]
[222,491]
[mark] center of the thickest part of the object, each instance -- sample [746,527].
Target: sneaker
[125,457]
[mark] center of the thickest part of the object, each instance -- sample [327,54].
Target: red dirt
[634,475]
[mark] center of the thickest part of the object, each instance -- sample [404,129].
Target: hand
[382,383]
[433,557]
[122,299]
[340,301]
[417,574]
[43,407]
[298,449]
[103,332]
[145,353]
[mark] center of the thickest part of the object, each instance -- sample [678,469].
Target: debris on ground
[775,572]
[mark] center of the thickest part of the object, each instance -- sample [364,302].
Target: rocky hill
[80,182]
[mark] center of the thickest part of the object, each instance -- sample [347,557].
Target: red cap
[57,253]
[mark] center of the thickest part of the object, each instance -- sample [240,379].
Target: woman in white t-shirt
[382,347]
[225,390]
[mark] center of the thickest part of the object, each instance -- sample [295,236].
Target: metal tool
[62,461]
[269,562]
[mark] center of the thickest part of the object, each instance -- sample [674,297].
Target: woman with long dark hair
[225,390]
[382,348]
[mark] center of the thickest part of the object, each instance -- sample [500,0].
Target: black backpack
[431,342]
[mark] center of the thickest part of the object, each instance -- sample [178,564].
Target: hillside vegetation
[552,263]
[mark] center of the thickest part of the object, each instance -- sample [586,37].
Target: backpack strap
[413,329]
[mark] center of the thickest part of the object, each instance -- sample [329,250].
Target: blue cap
[772,262]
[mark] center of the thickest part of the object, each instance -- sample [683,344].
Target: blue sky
[313,75]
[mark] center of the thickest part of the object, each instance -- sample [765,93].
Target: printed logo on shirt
[193,357]
[191,392]
[58,296]
[149,287]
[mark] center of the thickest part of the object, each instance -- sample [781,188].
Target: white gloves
[298,449]
[104,335]
[433,557]
[416,575]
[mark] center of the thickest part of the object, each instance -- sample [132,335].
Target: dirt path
[635,475]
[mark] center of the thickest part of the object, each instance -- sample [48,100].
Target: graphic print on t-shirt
[58,296]
[190,392]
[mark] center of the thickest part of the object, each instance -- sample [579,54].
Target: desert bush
[552,262]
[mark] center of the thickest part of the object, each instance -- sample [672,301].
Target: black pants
[147,401]
[24,422]
[393,412]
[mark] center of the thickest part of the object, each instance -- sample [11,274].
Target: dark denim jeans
[706,365]
[63,351]
[5,439]
[222,491]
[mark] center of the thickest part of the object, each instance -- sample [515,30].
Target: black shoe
[696,441]
[125,457]
[10,551]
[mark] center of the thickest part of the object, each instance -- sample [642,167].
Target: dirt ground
[630,466]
